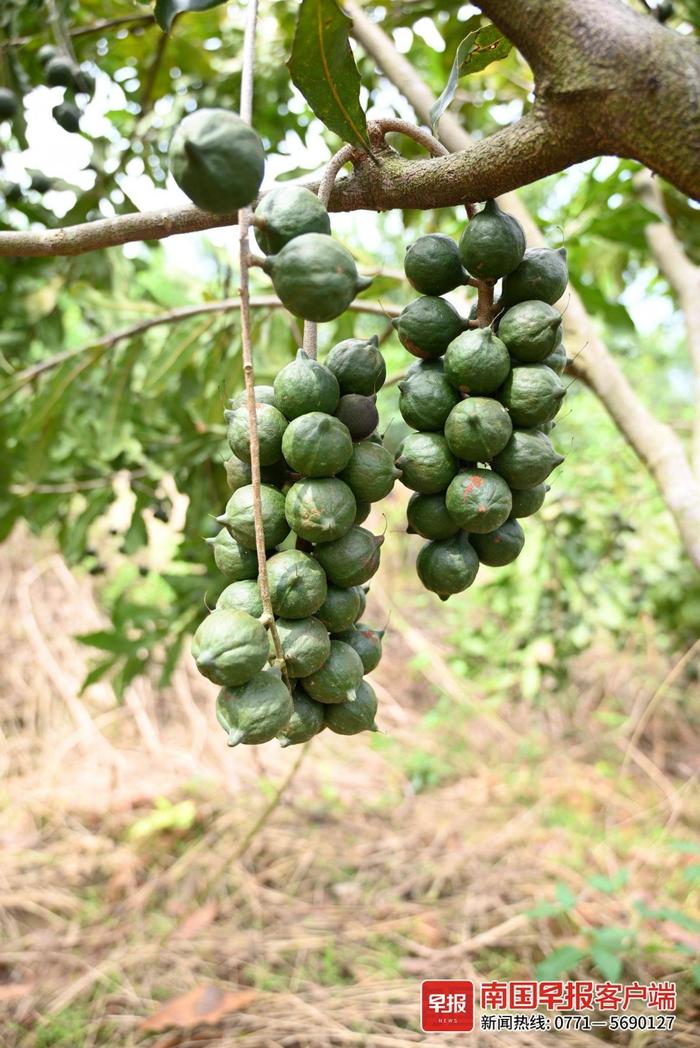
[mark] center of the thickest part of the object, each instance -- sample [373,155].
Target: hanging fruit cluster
[482,397]
[57,70]
[322,466]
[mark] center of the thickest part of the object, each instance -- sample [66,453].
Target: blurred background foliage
[116,451]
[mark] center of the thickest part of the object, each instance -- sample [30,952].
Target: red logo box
[447,1005]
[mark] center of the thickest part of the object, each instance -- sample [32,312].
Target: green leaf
[105,641]
[609,884]
[565,896]
[608,964]
[322,67]
[166,11]
[559,962]
[477,51]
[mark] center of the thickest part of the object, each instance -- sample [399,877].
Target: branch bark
[608,80]
[684,279]
[614,76]
[656,444]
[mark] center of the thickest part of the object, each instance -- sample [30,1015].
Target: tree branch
[656,444]
[110,232]
[615,76]
[176,316]
[684,279]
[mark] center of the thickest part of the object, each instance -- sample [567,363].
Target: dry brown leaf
[197,920]
[14,991]
[205,1004]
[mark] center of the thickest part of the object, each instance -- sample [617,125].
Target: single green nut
[352,559]
[8,104]
[533,395]
[60,72]
[479,500]
[449,566]
[303,386]
[317,445]
[530,330]
[501,546]
[433,266]
[238,516]
[366,642]
[477,429]
[341,608]
[297,583]
[358,365]
[271,427]
[527,459]
[371,473]
[263,395]
[12,192]
[288,212]
[542,274]
[305,643]
[477,362]
[320,509]
[217,160]
[427,465]
[241,596]
[306,721]
[234,561]
[359,414]
[528,500]
[427,326]
[427,516]
[338,677]
[315,277]
[557,359]
[45,53]
[350,718]
[84,82]
[255,712]
[67,116]
[362,512]
[426,397]
[492,244]
[40,182]
[238,473]
[230,647]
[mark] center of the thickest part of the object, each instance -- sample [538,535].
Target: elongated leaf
[479,49]
[166,11]
[323,68]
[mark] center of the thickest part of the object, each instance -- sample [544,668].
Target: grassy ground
[480,836]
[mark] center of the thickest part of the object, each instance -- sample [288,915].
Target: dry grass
[417,855]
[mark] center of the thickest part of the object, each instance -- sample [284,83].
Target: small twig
[244,216]
[87,30]
[343,156]
[175,316]
[61,35]
[152,75]
[419,134]
[271,807]
[485,311]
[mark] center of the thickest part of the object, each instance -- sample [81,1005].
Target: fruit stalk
[324,194]
[244,217]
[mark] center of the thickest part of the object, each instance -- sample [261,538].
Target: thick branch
[656,444]
[614,75]
[109,232]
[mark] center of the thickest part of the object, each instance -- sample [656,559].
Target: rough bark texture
[613,76]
